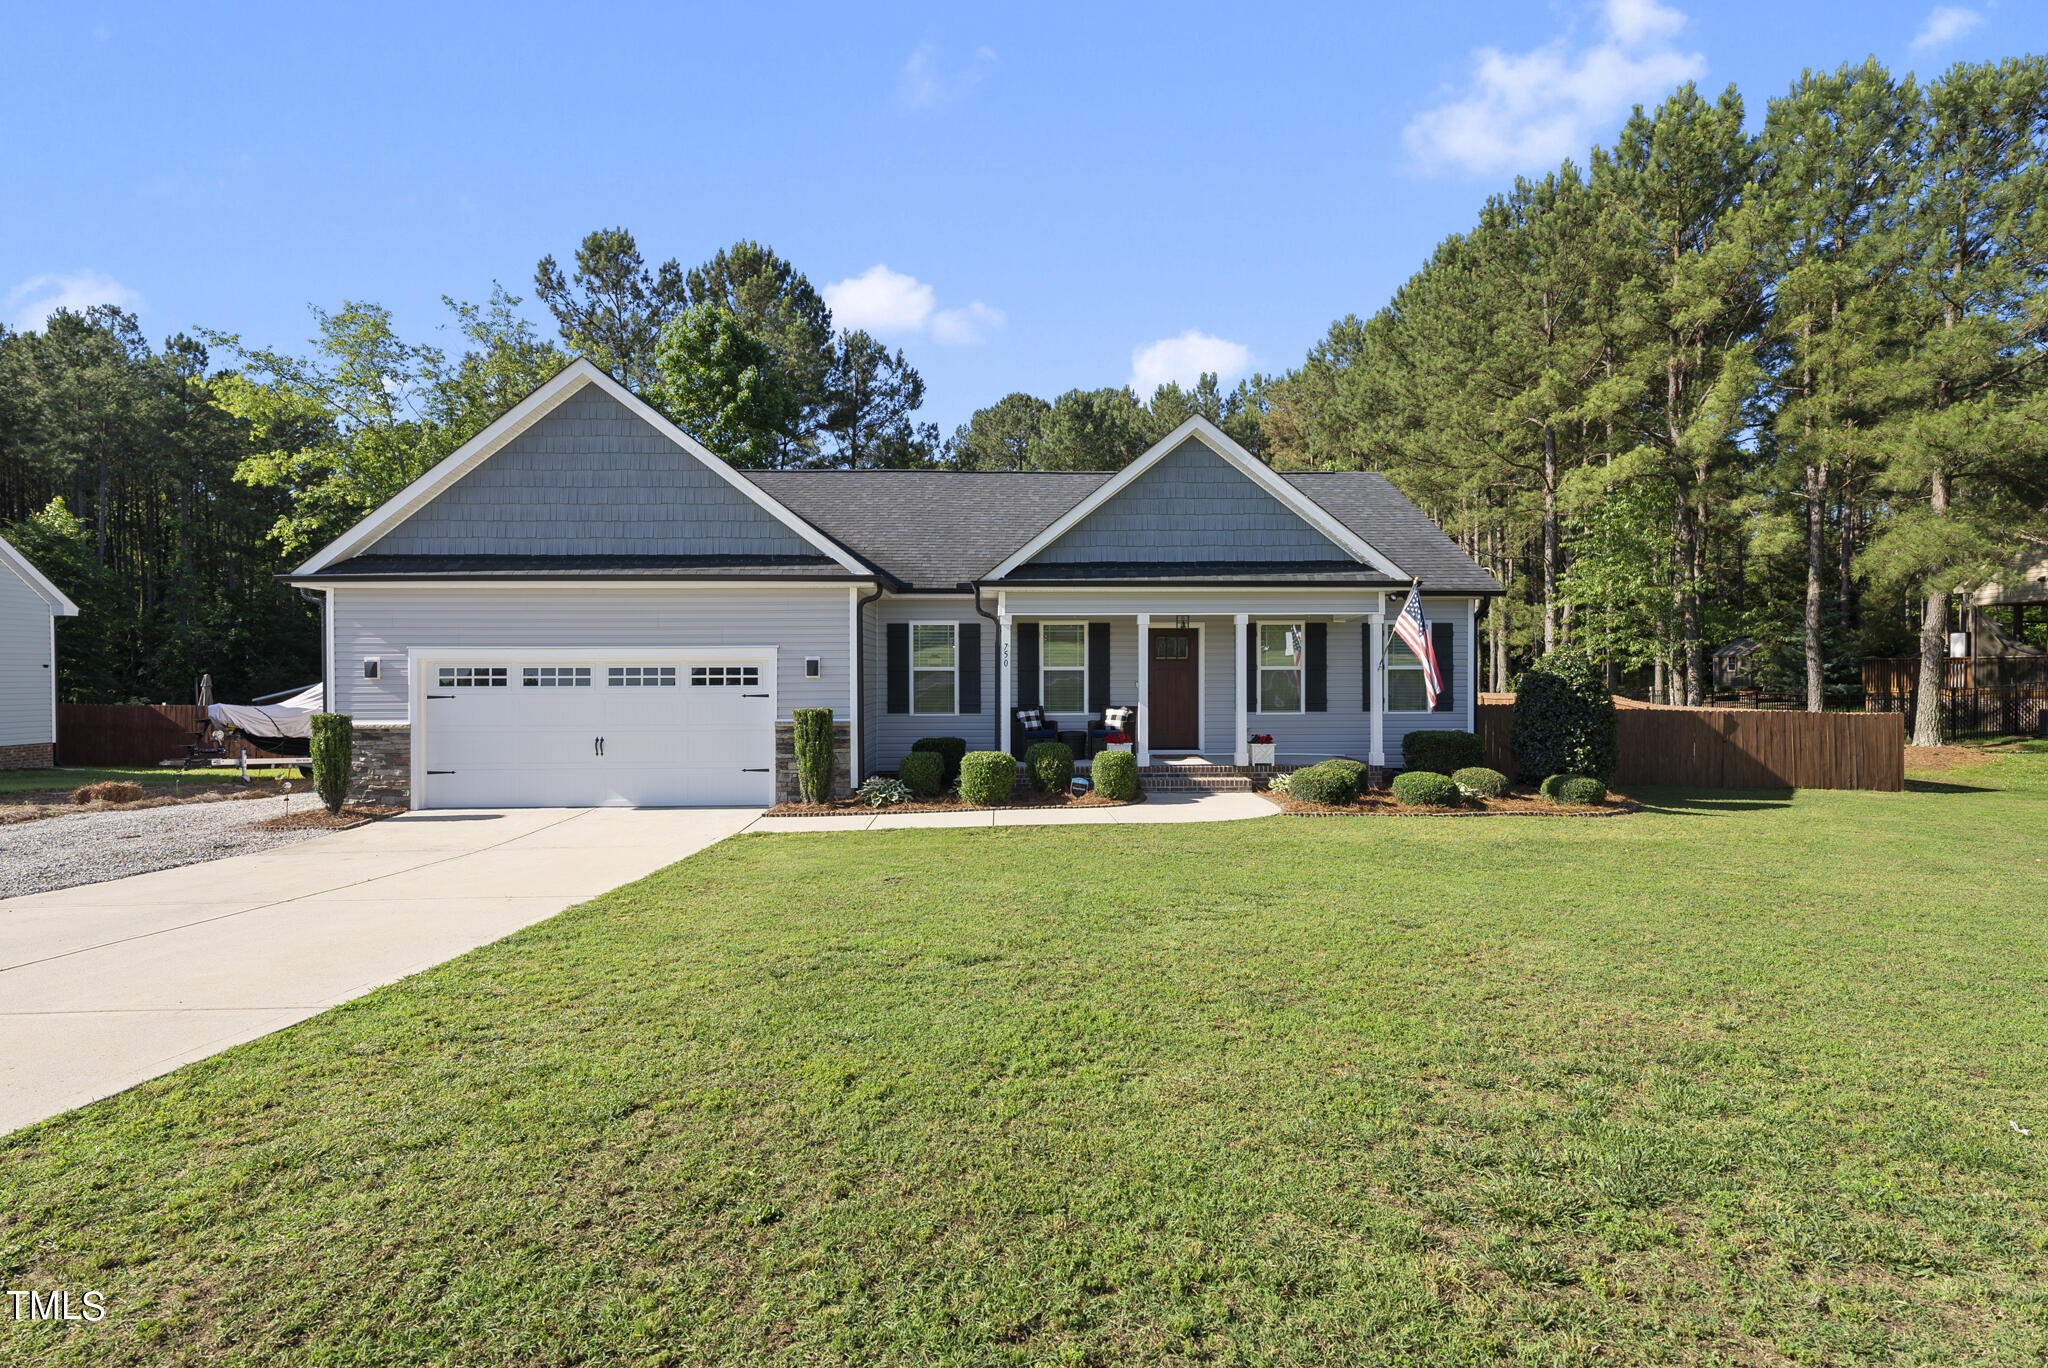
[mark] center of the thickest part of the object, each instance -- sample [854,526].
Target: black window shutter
[899,667]
[1365,661]
[1443,640]
[969,658]
[1315,664]
[1098,667]
[1027,664]
[1251,667]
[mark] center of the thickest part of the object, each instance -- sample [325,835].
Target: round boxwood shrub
[1425,788]
[1579,790]
[1116,775]
[987,777]
[1564,719]
[1051,766]
[1356,769]
[1477,781]
[923,773]
[949,749]
[1548,788]
[1442,752]
[1332,784]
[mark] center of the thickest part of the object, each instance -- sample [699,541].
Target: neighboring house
[585,606]
[29,608]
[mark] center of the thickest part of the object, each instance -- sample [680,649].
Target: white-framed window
[555,677]
[473,676]
[934,667]
[1063,667]
[713,676]
[1405,692]
[636,676]
[1281,647]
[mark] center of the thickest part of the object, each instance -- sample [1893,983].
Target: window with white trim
[1281,645]
[1405,691]
[555,677]
[634,676]
[1063,667]
[473,676]
[712,676]
[934,667]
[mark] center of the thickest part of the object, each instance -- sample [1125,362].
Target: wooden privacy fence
[1736,748]
[131,734]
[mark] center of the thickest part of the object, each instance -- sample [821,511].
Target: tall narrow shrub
[334,749]
[1564,719]
[815,760]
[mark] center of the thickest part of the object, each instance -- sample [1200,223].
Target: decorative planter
[1125,746]
[1262,754]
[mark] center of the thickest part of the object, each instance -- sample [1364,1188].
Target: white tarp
[293,717]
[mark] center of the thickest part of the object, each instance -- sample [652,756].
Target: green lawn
[64,780]
[1735,1080]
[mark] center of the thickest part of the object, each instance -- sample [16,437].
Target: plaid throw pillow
[1031,719]
[1118,719]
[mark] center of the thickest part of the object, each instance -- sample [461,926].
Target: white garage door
[631,732]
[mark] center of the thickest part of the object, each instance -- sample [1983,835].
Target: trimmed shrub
[923,773]
[815,761]
[1356,769]
[1477,781]
[1116,775]
[1580,790]
[1425,788]
[1548,788]
[1442,752]
[1564,719]
[333,751]
[1051,766]
[987,777]
[111,791]
[1332,784]
[880,791]
[949,749]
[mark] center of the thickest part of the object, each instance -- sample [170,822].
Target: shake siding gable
[1191,505]
[590,478]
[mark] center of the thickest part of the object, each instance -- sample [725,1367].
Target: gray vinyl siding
[890,735]
[27,672]
[1399,724]
[590,478]
[1192,505]
[387,622]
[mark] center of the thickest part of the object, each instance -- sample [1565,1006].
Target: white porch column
[1376,668]
[1005,680]
[1144,689]
[1242,755]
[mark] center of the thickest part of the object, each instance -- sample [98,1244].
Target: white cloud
[891,304]
[30,304]
[1530,110]
[925,84]
[1183,359]
[1944,26]
[961,326]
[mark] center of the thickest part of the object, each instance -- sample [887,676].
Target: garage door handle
[762,770]
[440,771]
[753,695]
[440,695]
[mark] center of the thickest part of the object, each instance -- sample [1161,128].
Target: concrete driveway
[105,985]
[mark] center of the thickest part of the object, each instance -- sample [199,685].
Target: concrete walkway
[105,985]
[1162,807]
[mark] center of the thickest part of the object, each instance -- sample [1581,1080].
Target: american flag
[1413,630]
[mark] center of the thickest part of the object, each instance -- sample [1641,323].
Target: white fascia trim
[578,586]
[60,606]
[523,415]
[1250,466]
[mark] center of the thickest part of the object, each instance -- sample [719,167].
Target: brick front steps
[1207,778]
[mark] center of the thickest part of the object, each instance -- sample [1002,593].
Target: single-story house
[584,606]
[29,608]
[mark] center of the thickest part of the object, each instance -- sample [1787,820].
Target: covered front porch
[1204,670]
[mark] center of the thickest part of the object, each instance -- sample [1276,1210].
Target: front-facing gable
[1197,498]
[582,469]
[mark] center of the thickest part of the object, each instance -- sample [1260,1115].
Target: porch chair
[1028,726]
[1123,720]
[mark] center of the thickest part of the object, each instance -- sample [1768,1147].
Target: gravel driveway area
[60,852]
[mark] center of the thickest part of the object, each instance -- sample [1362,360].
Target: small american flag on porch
[1413,629]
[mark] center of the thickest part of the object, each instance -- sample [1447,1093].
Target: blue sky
[1037,198]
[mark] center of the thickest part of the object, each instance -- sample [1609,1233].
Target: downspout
[999,742]
[860,673]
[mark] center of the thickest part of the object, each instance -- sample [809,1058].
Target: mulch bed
[318,818]
[1516,804]
[33,807]
[840,807]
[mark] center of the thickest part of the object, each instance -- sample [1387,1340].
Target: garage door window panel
[473,676]
[721,676]
[555,677]
[640,676]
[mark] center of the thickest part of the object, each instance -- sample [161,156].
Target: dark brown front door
[1176,689]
